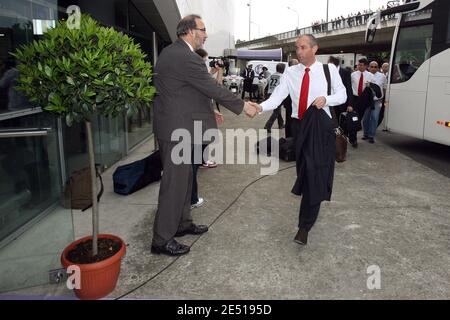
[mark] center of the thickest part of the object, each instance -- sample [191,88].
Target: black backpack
[349,122]
[286,148]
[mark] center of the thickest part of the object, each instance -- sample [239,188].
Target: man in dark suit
[346,77]
[248,74]
[185,89]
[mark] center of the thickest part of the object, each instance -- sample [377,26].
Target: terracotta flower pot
[100,278]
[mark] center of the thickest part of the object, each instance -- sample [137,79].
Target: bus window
[448,29]
[413,48]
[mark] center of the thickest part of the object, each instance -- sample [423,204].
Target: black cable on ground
[210,225]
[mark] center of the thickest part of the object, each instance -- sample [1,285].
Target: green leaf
[70,80]
[48,71]
[108,79]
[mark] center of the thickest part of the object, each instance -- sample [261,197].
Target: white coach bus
[418,94]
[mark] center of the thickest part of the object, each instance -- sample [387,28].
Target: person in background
[360,80]
[273,82]
[370,119]
[248,74]
[385,71]
[287,103]
[217,74]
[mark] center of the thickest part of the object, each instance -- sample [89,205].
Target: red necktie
[360,85]
[302,104]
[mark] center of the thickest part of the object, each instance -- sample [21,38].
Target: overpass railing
[337,24]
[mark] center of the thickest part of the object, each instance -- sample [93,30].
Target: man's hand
[251,109]
[349,109]
[320,102]
[214,70]
[219,117]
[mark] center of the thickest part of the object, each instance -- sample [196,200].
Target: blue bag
[134,176]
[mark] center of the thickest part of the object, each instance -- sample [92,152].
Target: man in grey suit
[184,93]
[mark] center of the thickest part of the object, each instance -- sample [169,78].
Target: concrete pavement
[387,211]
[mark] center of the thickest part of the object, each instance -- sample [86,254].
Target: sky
[273,16]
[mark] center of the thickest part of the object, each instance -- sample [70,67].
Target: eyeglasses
[203,29]
[374,67]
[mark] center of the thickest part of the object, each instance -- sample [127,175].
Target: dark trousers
[287,103]
[276,115]
[174,201]
[195,166]
[352,136]
[308,213]
[194,194]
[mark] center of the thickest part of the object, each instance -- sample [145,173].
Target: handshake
[251,109]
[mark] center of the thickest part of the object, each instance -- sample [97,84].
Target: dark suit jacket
[315,155]
[184,92]
[346,77]
[248,79]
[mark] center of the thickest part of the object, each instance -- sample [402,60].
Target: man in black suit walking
[346,77]
[185,89]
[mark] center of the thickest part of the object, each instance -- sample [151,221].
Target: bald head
[293,62]
[385,67]
[306,48]
[373,67]
[310,38]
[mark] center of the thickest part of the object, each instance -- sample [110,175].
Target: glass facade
[38,152]
[30,170]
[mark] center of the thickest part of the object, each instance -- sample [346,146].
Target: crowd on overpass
[354,19]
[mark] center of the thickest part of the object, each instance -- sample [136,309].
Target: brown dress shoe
[301,237]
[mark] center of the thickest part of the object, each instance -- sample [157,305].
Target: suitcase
[134,176]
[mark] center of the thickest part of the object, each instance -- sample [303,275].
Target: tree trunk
[94,189]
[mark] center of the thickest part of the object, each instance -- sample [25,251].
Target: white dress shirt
[190,47]
[291,82]
[367,77]
[380,80]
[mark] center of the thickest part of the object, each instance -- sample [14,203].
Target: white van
[259,64]
[347,59]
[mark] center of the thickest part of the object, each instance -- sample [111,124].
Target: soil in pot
[82,253]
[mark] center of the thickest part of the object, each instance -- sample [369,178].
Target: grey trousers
[174,202]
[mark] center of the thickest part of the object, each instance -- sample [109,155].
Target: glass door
[34,227]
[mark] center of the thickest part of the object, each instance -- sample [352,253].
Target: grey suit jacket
[184,92]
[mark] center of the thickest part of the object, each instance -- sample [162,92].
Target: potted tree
[79,73]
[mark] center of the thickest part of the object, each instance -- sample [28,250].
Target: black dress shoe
[171,248]
[301,237]
[193,229]
[355,145]
[371,140]
[365,137]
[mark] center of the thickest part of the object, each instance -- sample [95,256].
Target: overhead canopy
[269,55]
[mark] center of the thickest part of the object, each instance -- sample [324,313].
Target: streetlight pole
[259,29]
[298,16]
[249,20]
[327,9]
